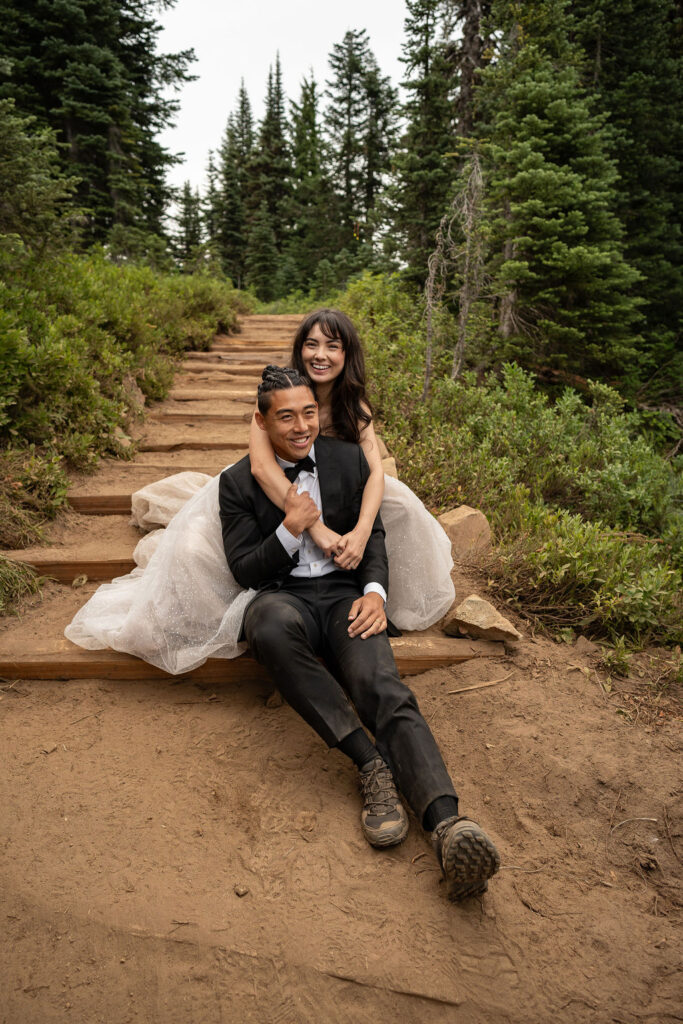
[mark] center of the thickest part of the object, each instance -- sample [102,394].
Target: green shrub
[569,572]
[80,339]
[587,514]
[76,330]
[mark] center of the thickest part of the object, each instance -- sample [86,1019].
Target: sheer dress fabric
[181,604]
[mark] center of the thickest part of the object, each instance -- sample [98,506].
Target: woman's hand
[327,540]
[352,548]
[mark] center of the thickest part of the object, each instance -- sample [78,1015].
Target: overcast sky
[239,40]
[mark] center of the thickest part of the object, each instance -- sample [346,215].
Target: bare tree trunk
[437,269]
[465,213]
[506,321]
[473,265]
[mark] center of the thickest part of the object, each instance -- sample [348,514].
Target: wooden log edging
[413,655]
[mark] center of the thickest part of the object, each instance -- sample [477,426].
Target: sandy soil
[179,853]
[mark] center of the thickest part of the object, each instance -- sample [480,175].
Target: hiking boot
[383,818]
[467,857]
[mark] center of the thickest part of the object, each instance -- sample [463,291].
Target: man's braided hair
[277,378]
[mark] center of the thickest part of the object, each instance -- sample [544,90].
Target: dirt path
[135,812]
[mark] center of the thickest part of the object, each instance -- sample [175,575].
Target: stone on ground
[477,618]
[469,531]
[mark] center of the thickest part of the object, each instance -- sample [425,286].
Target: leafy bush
[587,514]
[80,339]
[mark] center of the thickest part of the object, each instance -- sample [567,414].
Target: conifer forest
[511,207]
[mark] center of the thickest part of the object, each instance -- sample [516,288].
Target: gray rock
[469,531]
[477,618]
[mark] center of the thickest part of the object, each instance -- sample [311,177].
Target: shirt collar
[287,465]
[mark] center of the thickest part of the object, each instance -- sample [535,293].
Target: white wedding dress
[181,604]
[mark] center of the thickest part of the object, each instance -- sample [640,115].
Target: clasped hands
[301,513]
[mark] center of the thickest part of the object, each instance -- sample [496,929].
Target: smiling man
[306,608]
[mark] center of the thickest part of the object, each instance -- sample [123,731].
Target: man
[307,607]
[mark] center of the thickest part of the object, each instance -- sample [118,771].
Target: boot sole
[469,859]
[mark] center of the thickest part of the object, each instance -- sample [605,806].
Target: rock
[389,466]
[240,890]
[468,530]
[122,439]
[274,700]
[587,647]
[476,617]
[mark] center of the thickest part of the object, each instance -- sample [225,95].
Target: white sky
[240,40]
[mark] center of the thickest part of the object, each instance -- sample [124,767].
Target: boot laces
[379,789]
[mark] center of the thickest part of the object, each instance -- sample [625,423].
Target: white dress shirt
[312,560]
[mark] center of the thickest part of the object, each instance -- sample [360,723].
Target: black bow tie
[303,465]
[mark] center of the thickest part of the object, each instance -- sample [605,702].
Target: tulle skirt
[181,604]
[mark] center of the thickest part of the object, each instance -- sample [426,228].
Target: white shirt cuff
[375,588]
[290,544]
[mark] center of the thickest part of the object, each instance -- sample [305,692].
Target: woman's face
[323,357]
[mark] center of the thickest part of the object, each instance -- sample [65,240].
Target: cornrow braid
[277,378]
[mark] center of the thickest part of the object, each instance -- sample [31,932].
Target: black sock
[359,747]
[439,809]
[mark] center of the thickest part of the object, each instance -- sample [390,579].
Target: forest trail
[137,812]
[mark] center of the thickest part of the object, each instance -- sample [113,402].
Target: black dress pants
[287,630]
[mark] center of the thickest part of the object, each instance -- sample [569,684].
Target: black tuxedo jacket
[249,519]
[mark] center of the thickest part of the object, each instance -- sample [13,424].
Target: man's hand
[300,511]
[367,616]
[352,548]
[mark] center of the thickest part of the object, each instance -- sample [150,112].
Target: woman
[182,605]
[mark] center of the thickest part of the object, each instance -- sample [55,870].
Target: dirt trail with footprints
[186,849]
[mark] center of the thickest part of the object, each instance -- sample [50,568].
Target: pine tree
[345,118]
[556,262]
[424,164]
[188,238]
[635,62]
[262,259]
[379,138]
[467,31]
[211,202]
[314,218]
[234,188]
[270,166]
[89,70]
[35,195]
[210,218]
[231,228]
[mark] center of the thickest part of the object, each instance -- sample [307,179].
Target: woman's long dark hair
[351,410]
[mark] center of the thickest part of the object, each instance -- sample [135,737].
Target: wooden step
[223,372]
[252,370]
[100,504]
[67,661]
[191,416]
[209,394]
[190,444]
[65,571]
[166,437]
[239,364]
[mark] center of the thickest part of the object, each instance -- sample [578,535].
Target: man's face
[291,423]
